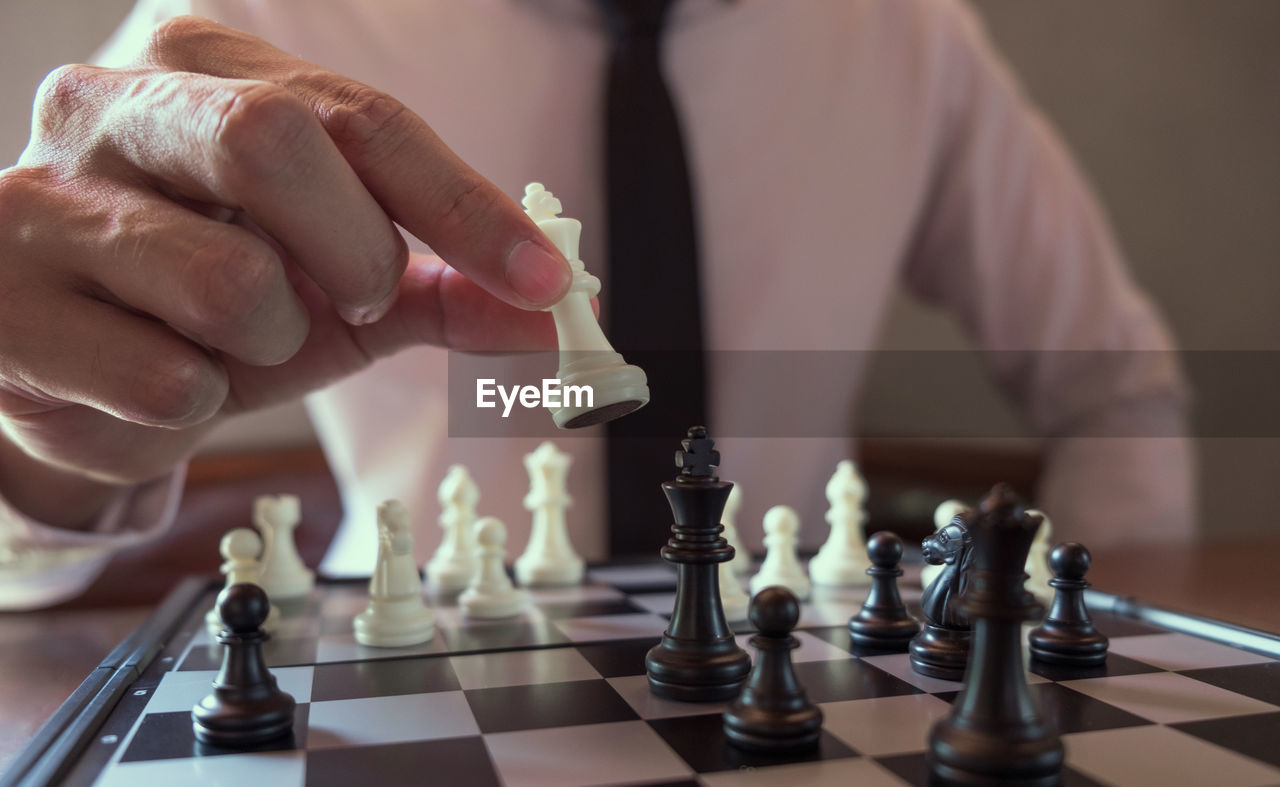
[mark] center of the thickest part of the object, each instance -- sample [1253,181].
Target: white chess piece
[396,616]
[284,575]
[842,561]
[240,549]
[733,598]
[549,559]
[491,594]
[946,511]
[741,563]
[587,360]
[1037,566]
[453,565]
[781,565]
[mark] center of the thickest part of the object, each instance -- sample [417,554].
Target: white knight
[396,616]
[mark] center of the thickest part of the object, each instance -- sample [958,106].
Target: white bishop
[284,575]
[454,563]
[781,565]
[842,561]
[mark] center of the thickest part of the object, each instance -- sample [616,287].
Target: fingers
[404,165]
[253,146]
[82,351]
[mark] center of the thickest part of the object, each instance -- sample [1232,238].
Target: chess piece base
[617,388]
[886,635]
[712,673]
[532,573]
[395,623]
[1057,644]
[956,753]
[501,605]
[940,653]
[773,733]
[296,585]
[253,722]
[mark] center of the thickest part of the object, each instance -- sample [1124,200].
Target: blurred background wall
[1171,106]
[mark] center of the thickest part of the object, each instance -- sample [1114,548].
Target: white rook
[586,357]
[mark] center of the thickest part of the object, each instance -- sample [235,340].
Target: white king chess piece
[587,360]
[842,561]
[396,616]
[284,575]
[450,569]
[549,558]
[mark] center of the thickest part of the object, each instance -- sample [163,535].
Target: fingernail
[537,274]
[357,316]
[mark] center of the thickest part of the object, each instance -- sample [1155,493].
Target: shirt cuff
[41,565]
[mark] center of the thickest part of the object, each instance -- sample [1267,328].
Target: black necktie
[654,314]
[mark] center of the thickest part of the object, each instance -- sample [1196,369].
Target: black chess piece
[883,621]
[1067,635]
[995,734]
[246,706]
[941,649]
[698,659]
[772,714]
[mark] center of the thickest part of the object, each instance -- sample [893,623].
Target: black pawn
[246,706]
[698,659]
[1067,635]
[883,622]
[772,714]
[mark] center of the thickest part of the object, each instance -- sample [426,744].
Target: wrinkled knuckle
[61,93]
[225,284]
[363,117]
[259,128]
[175,389]
[172,41]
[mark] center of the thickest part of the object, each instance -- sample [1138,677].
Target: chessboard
[559,697]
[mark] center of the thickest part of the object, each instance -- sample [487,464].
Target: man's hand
[213,230]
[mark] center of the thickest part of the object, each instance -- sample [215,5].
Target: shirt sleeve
[42,565]
[1014,245]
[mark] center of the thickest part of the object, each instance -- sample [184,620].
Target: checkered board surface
[559,697]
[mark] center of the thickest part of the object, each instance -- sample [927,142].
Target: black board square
[276,652]
[503,636]
[839,636]
[618,659]
[1114,665]
[1254,736]
[349,680]
[914,769]
[701,742]
[1072,711]
[167,736]
[835,680]
[1259,681]
[539,705]
[1118,626]
[444,761]
[587,608]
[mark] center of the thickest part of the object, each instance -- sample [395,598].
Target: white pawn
[1037,566]
[741,563]
[549,559]
[842,561]
[396,616]
[491,594]
[781,565]
[586,357]
[450,569]
[284,575]
[240,549]
[946,511]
